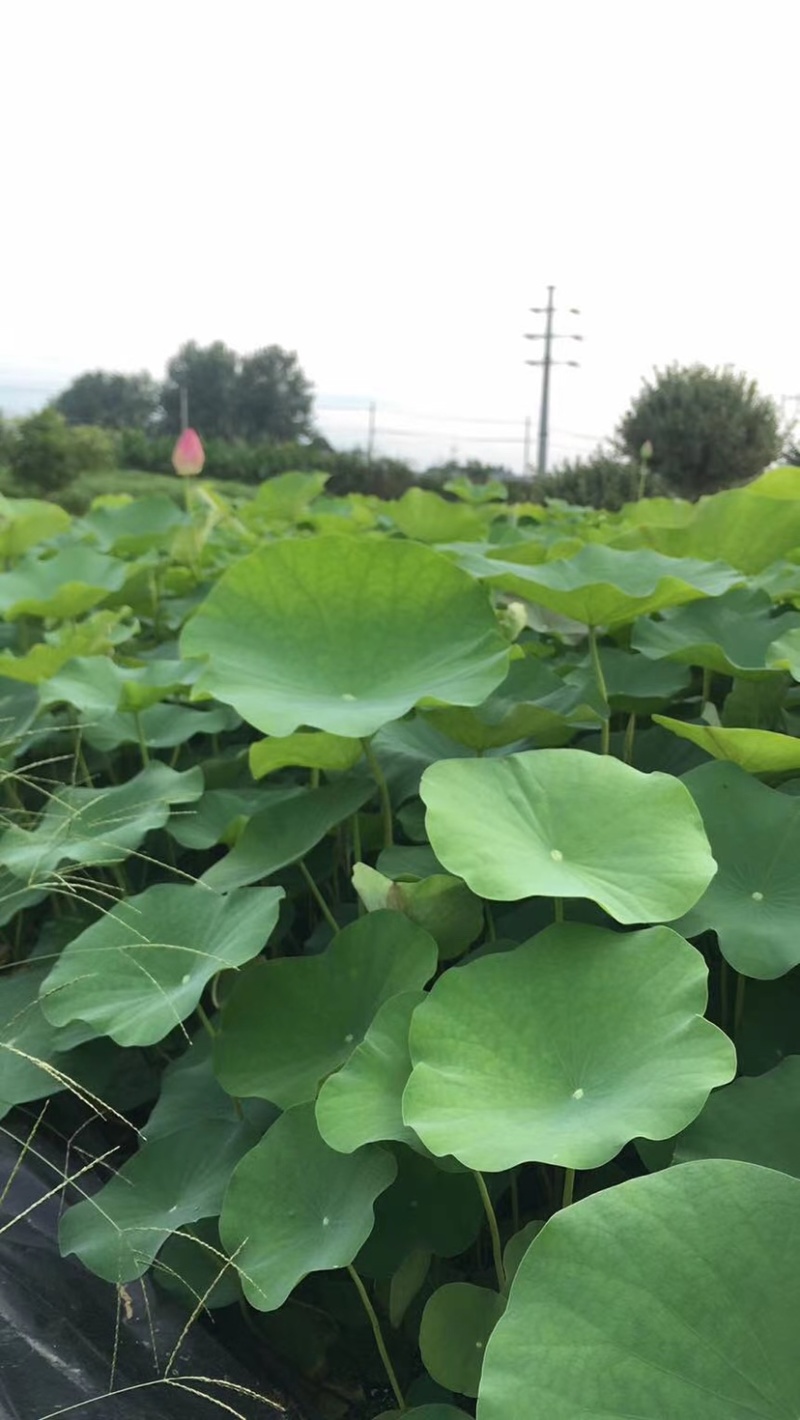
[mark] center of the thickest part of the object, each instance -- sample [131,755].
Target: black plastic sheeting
[60,1326]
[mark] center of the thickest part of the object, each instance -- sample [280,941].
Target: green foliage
[264,395]
[46,454]
[379,876]
[110,401]
[598,481]
[708,428]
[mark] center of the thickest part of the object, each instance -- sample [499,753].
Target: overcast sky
[386,187]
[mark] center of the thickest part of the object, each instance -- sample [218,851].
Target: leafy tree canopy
[708,428]
[111,401]
[262,395]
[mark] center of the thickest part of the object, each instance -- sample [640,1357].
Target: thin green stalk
[569,1187]
[379,1341]
[724,994]
[491,930]
[494,1231]
[605,734]
[145,753]
[630,736]
[206,1022]
[558,909]
[317,896]
[383,790]
[705,693]
[315,779]
[356,839]
[738,1005]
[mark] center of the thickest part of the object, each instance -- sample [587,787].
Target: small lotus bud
[646,451]
[188,456]
[513,619]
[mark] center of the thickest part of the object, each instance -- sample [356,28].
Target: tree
[209,374]
[110,401]
[709,428]
[47,453]
[274,400]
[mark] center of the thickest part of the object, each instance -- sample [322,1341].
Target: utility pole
[371,433]
[547,364]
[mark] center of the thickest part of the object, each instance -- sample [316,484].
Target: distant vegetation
[700,430]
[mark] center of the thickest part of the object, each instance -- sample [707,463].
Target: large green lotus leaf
[729,634]
[192,1264]
[94,826]
[532,703]
[97,635]
[97,686]
[784,653]
[756,1120]
[325,1217]
[754,900]
[141,969]
[19,704]
[426,1208]
[362,1102]
[24,522]
[216,817]
[14,896]
[406,748]
[160,726]
[602,586]
[748,532]
[426,517]
[537,824]
[135,526]
[343,635]
[782,482]
[635,685]
[564,1049]
[290,1022]
[757,751]
[283,500]
[456,1325]
[178,1175]
[435,1411]
[442,905]
[306,749]
[675,1295]
[146,684]
[191,1094]
[285,829]
[29,1043]
[92,684]
[64,585]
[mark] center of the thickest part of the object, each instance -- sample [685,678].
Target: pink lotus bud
[188,456]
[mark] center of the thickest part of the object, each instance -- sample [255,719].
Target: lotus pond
[406,896]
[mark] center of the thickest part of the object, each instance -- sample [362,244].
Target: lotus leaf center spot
[347,696]
[325,1222]
[478,1345]
[757,896]
[185,979]
[556,855]
[577,1094]
[348,1040]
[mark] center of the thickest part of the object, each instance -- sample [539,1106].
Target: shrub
[709,429]
[41,458]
